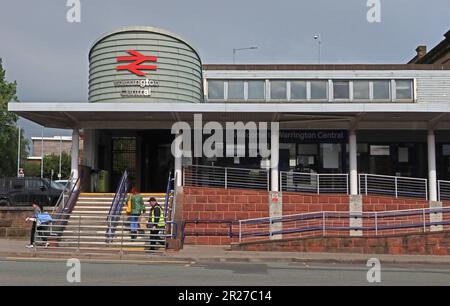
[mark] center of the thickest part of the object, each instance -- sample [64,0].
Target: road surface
[48,272]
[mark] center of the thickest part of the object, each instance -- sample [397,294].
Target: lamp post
[18,153]
[319,41]
[241,49]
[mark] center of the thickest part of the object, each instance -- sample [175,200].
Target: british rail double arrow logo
[137,59]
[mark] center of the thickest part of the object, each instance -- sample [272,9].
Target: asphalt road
[40,272]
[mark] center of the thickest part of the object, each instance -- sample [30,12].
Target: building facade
[389,120]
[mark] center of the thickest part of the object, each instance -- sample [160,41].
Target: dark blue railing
[117,205]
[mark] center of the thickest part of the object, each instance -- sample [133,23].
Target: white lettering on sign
[145,86]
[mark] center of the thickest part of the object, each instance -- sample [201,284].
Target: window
[361,90]
[235,90]
[341,90]
[403,89]
[278,90]
[215,90]
[319,90]
[298,90]
[256,90]
[381,90]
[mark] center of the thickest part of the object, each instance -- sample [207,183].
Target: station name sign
[144,90]
[312,136]
[139,87]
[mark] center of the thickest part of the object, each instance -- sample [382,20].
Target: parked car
[63,183]
[16,191]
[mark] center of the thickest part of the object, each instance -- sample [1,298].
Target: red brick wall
[411,244]
[219,204]
[298,203]
[385,203]
[382,203]
[236,204]
[12,222]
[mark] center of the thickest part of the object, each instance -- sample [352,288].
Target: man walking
[156,222]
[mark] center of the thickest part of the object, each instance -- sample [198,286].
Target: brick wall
[385,203]
[382,203]
[298,203]
[219,204]
[411,244]
[12,222]
[51,147]
[236,204]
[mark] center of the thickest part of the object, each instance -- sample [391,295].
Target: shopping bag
[128,211]
[44,218]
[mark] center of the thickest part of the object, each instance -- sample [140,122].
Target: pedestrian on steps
[137,208]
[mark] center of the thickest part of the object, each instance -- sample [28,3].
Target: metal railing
[86,233]
[66,204]
[337,224]
[393,186]
[209,176]
[64,196]
[443,190]
[314,182]
[117,204]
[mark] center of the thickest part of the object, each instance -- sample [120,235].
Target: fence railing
[393,186]
[443,190]
[117,203]
[328,223]
[314,182]
[66,203]
[64,196]
[208,176]
[88,233]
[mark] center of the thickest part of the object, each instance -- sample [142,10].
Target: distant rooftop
[325,67]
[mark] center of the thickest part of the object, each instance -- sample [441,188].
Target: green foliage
[51,162]
[32,168]
[8,130]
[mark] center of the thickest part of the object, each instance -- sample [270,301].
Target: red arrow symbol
[137,58]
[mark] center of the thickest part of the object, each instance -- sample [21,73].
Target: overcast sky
[48,56]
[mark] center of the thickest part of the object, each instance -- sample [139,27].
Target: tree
[51,162]
[9,133]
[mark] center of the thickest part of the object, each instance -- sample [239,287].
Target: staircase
[87,227]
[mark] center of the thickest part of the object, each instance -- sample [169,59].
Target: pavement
[15,249]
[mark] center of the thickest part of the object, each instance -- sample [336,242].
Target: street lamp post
[241,49]
[18,153]
[319,41]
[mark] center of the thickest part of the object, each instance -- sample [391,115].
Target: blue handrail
[168,191]
[117,204]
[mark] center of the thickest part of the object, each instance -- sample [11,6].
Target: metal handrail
[70,200]
[443,190]
[61,199]
[78,235]
[397,186]
[226,177]
[314,182]
[375,217]
[117,204]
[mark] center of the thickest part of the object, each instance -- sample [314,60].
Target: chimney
[421,51]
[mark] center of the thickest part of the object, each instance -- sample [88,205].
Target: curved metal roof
[144,29]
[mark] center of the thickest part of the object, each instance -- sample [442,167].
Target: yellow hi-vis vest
[162,222]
